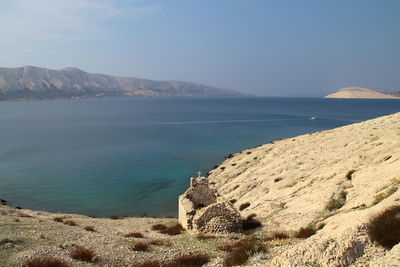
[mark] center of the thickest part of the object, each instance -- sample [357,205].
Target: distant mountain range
[40,83]
[359,92]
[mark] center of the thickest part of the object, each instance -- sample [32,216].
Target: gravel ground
[25,234]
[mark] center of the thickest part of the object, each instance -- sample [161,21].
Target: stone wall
[203,210]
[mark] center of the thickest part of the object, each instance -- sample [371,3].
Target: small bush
[277,235]
[233,201]
[191,260]
[231,246]
[115,217]
[160,242]
[173,230]
[158,227]
[45,262]
[134,234]
[58,219]
[140,246]
[244,206]
[4,212]
[90,228]
[151,263]
[205,236]
[240,254]
[70,222]
[384,228]
[337,203]
[278,179]
[305,232]
[250,223]
[82,254]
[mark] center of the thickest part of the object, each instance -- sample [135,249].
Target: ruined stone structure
[203,210]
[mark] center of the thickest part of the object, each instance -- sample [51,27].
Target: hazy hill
[358,92]
[41,83]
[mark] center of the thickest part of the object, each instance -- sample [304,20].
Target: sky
[262,47]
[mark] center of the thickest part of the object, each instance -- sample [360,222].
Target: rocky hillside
[359,92]
[334,180]
[40,83]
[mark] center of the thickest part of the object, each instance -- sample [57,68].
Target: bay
[134,156]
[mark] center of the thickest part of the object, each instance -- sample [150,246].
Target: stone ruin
[203,210]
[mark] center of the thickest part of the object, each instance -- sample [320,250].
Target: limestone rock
[204,210]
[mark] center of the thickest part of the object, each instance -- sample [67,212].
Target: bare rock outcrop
[332,181]
[203,210]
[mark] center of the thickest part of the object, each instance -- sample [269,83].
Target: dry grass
[205,236]
[135,235]
[158,227]
[277,235]
[140,246]
[390,190]
[82,254]
[231,246]
[70,222]
[45,262]
[176,229]
[191,260]
[305,232]
[161,242]
[336,203]
[58,219]
[90,228]
[384,229]
[150,263]
[241,251]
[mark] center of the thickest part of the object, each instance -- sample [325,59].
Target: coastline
[287,183]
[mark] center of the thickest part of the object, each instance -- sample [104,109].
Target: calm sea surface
[134,156]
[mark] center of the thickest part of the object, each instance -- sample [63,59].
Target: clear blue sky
[268,47]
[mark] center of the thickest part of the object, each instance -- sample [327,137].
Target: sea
[135,156]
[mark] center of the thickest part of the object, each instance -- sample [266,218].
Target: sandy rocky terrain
[288,183]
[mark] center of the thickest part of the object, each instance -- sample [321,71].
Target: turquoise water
[134,156]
